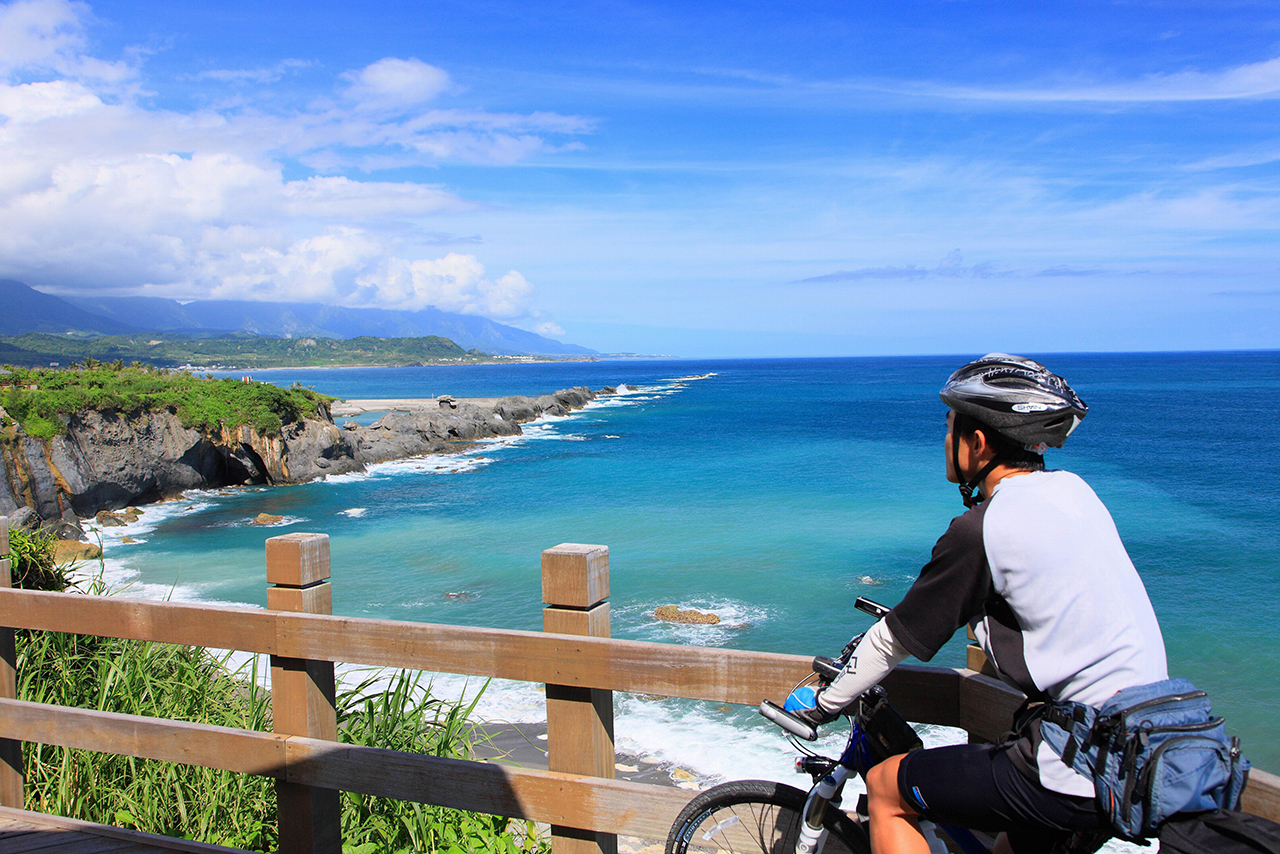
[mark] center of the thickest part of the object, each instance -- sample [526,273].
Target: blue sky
[725,180]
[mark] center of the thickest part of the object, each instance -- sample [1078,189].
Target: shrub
[208,405]
[32,565]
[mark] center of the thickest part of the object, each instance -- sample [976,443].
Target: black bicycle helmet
[1018,398]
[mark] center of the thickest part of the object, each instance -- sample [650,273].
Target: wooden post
[302,692]
[575,589]
[10,750]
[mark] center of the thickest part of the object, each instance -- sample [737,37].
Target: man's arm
[875,655]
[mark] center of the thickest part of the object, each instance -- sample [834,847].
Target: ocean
[773,493]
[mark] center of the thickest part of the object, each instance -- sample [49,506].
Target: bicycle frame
[857,758]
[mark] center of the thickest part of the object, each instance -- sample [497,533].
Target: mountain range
[28,310]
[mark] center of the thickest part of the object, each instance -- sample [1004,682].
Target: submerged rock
[267,519]
[672,614]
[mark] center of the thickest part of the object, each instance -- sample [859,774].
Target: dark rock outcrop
[108,460]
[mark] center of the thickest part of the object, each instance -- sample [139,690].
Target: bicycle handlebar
[788,721]
[827,669]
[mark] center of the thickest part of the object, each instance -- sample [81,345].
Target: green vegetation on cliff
[235,351]
[41,400]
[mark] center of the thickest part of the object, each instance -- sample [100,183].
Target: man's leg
[895,824]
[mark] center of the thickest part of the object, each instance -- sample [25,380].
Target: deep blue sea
[773,492]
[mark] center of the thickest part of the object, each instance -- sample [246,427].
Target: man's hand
[803,703]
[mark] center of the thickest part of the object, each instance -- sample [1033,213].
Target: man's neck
[998,474]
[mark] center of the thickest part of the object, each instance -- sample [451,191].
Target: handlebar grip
[788,721]
[870,606]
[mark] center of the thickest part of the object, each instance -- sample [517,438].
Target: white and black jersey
[1039,572]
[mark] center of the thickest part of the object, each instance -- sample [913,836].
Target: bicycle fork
[813,834]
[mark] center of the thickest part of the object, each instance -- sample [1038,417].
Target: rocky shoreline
[106,460]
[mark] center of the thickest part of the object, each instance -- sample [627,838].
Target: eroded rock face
[108,460]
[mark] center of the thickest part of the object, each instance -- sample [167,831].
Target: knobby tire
[756,817]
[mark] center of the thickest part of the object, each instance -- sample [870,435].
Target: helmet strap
[966,489]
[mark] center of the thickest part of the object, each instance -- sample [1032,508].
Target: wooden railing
[575,658]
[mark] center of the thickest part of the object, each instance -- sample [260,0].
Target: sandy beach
[350,408]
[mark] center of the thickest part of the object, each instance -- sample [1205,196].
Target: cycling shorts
[979,787]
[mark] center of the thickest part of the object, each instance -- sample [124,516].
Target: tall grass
[189,684]
[32,563]
[156,680]
[404,716]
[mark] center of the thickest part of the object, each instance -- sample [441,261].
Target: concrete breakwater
[106,460]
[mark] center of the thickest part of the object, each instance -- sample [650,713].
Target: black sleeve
[950,591]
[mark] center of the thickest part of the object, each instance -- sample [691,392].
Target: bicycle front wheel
[756,817]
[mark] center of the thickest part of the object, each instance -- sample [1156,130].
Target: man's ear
[980,444]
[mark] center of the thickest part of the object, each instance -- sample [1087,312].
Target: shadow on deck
[22,831]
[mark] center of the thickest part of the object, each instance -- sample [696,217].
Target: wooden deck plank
[50,840]
[106,840]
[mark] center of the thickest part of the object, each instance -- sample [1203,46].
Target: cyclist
[1036,568]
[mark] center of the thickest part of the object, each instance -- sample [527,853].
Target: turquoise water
[773,492]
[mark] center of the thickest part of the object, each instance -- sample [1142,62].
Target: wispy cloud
[1258,156]
[909,272]
[1067,270]
[269,74]
[951,266]
[1252,80]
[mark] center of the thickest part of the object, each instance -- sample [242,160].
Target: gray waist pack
[1152,751]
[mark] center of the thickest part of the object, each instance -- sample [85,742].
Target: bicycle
[764,816]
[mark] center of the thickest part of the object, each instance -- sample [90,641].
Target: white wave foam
[354,512]
[152,515]
[734,617]
[121,578]
[348,477]
[252,522]
[429,464]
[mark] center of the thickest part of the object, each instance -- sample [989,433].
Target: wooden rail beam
[247,629]
[10,750]
[920,693]
[610,806]
[1261,795]
[986,706]
[575,590]
[617,806]
[206,745]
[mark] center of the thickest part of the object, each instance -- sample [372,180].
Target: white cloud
[455,282]
[40,33]
[49,35]
[99,190]
[36,102]
[391,84]
[342,198]
[549,329]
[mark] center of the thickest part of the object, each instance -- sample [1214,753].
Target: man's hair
[1010,452]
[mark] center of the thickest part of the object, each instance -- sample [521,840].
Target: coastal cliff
[107,460]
